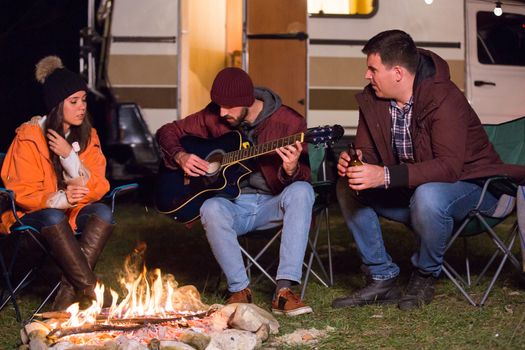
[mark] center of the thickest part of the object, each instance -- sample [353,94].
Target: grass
[447,323]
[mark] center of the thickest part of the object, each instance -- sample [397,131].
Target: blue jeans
[224,220]
[431,211]
[51,216]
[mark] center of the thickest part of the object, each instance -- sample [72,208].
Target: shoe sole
[295,312]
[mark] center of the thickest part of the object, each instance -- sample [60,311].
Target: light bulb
[428,2]
[497,10]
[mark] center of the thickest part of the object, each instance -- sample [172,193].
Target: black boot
[375,292]
[73,263]
[420,291]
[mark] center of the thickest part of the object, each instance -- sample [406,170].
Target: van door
[276,48]
[495,57]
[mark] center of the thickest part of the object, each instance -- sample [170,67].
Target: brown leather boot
[94,238]
[92,241]
[67,253]
[66,296]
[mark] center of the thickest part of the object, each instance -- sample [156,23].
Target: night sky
[30,30]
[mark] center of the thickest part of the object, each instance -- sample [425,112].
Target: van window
[501,40]
[342,8]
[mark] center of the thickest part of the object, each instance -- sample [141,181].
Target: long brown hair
[80,134]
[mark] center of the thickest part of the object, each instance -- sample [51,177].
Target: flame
[149,294]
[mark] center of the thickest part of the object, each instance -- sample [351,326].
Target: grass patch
[449,322]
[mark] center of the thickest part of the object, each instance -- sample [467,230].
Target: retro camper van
[165,53]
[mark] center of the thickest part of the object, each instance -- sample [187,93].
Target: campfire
[156,313]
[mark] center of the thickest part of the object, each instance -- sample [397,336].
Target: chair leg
[458,286]
[500,244]
[8,271]
[329,244]
[467,261]
[498,271]
[254,262]
[43,303]
[11,293]
[503,247]
[489,263]
[314,254]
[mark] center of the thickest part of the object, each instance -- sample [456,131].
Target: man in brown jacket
[276,192]
[422,145]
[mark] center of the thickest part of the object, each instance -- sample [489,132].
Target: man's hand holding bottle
[361,175]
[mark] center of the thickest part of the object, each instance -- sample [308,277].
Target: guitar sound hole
[215,160]
[213,168]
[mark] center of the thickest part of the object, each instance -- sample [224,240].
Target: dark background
[29,31]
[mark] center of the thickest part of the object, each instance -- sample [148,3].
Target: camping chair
[11,286]
[323,190]
[509,140]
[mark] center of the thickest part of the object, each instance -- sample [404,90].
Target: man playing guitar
[275,189]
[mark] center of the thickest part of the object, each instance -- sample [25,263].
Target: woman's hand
[58,144]
[75,193]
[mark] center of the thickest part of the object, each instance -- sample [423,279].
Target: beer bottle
[354,158]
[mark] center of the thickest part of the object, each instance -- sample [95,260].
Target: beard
[236,121]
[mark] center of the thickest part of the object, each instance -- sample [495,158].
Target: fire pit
[155,314]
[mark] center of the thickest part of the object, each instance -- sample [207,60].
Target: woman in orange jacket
[56,168]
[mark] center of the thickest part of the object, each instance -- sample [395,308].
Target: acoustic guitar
[181,196]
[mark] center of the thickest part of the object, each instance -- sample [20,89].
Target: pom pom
[46,66]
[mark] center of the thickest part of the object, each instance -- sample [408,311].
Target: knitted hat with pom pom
[58,82]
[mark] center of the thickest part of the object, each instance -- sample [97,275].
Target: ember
[155,314]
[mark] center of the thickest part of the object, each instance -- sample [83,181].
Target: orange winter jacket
[29,172]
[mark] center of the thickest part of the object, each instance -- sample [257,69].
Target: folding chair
[509,140]
[323,189]
[11,285]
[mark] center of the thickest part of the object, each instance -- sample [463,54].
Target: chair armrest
[118,191]
[499,184]
[10,196]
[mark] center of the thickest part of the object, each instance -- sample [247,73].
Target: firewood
[54,314]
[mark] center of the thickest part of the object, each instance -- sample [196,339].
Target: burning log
[156,320]
[60,315]
[58,333]
[125,325]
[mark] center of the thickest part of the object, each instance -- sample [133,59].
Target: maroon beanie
[232,87]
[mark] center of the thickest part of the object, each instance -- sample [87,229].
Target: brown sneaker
[242,296]
[289,304]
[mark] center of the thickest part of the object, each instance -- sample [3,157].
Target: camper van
[165,53]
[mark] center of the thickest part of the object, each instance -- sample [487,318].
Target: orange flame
[156,296]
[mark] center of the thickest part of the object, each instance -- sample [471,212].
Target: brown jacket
[448,138]
[207,123]
[29,172]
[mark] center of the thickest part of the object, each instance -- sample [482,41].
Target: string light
[497,10]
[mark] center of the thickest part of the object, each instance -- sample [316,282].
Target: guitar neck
[257,150]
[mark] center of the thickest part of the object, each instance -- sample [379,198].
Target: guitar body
[181,197]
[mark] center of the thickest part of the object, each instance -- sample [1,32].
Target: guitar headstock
[324,135]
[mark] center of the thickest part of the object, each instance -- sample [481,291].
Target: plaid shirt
[401,138]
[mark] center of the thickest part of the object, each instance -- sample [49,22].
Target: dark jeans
[50,216]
